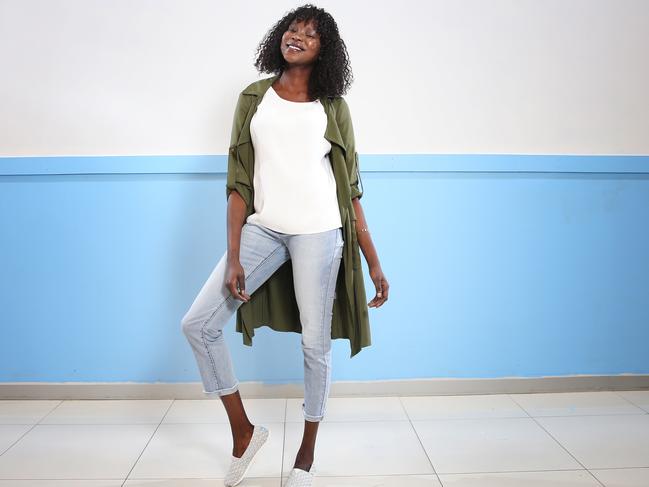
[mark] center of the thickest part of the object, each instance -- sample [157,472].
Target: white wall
[457,76]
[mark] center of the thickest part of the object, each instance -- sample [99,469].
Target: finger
[236,294]
[384,296]
[377,298]
[386,289]
[242,287]
[234,291]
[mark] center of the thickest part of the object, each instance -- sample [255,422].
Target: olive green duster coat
[274,304]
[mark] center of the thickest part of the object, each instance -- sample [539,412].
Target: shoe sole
[252,460]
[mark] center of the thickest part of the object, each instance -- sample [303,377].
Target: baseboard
[396,387]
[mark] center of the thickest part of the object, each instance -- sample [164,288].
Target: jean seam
[324,312]
[209,354]
[216,379]
[265,259]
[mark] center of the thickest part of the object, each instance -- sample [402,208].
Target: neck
[295,79]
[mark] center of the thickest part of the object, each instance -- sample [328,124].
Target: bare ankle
[241,440]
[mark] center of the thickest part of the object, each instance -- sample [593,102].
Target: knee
[208,327]
[188,324]
[315,345]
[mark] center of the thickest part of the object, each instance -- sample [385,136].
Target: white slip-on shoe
[239,466]
[300,478]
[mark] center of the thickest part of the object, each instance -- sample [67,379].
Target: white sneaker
[300,478]
[239,466]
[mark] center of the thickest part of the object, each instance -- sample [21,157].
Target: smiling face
[300,43]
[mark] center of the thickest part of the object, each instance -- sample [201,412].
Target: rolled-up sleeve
[356,192]
[237,178]
[346,127]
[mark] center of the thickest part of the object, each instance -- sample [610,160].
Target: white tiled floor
[584,439]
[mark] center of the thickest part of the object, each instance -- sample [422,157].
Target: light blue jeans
[315,260]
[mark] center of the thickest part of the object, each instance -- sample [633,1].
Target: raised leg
[261,254]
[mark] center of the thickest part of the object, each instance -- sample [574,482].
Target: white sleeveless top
[294,185]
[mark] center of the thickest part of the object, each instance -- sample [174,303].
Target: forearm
[236,215]
[364,237]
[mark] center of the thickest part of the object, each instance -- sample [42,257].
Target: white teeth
[293,47]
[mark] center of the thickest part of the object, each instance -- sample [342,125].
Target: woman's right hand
[235,280]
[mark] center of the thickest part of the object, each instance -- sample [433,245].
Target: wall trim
[397,387]
[217,164]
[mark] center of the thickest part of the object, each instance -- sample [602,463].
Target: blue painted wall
[499,266]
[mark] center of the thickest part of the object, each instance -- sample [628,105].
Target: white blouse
[294,185]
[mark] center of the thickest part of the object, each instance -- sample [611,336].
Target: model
[294,228]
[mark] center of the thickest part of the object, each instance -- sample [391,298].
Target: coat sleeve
[347,131]
[237,178]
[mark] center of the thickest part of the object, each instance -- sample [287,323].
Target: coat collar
[332,132]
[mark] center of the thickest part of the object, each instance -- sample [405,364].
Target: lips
[294,47]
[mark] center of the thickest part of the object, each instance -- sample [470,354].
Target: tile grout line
[646,411]
[557,441]
[420,442]
[147,443]
[281,465]
[61,401]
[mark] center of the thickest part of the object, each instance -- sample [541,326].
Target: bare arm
[367,246]
[364,238]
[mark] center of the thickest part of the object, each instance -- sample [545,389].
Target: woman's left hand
[381,285]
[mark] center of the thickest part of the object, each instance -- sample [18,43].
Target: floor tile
[109,412]
[639,398]
[568,478]
[376,481]
[75,452]
[25,412]
[10,433]
[247,482]
[603,441]
[384,408]
[203,451]
[61,483]
[575,403]
[362,448]
[387,441]
[491,445]
[212,411]
[623,477]
[466,406]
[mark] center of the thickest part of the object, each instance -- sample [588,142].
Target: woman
[297,219]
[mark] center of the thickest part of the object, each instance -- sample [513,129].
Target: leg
[261,254]
[316,261]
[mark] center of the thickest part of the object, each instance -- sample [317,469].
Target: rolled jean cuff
[308,417]
[223,392]
[313,418]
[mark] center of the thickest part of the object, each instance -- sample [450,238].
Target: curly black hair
[331,75]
